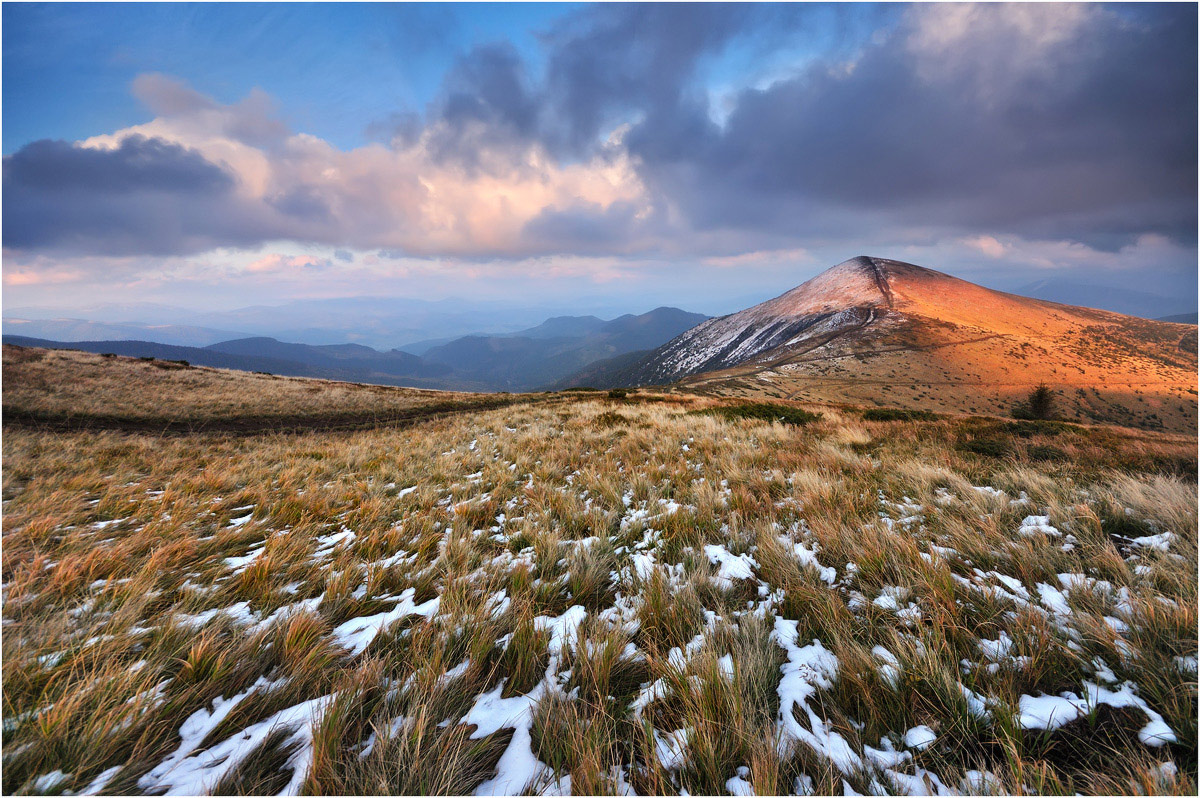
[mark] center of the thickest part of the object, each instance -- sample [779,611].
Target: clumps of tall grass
[765,411]
[899,553]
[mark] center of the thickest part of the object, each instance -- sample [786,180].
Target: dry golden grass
[625,593]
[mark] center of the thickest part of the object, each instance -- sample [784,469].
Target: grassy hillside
[70,389]
[880,332]
[594,594]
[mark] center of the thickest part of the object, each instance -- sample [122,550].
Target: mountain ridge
[875,330]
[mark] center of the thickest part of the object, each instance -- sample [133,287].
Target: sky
[583,156]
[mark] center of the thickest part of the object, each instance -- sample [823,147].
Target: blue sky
[695,155]
[334,68]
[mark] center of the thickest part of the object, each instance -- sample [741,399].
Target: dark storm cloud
[138,164]
[1100,145]
[604,63]
[487,104]
[586,228]
[616,59]
[144,196]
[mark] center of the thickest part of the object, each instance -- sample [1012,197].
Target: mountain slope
[872,330]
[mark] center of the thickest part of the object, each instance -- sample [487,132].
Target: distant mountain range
[1106,297]
[382,323]
[520,361]
[83,330]
[879,331]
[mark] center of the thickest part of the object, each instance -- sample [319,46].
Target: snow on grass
[198,773]
[920,737]
[808,669]
[357,633]
[738,785]
[1159,542]
[518,768]
[49,781]
[193,732]
[889,670]
[1049,712]
[239,613]
[729,566]
[1037,525]
[807,556]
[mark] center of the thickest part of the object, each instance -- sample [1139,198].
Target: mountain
[558,347]
[83,330]
[380,322]
[879,331]
[562,327]
[1106,297]
[1181,318]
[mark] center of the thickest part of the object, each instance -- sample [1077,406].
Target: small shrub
[1047,454]
[988,447]
[896,414]
[1027,428]
[618,393]
[1038,405]
[610,419]
[766,411]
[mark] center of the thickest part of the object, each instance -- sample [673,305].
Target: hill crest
[880,331]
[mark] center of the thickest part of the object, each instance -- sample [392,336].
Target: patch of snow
[357,633]
[920,737]
[730,567]
[1159,542]
[808,669]
[1034,525]
[738,785]
[49,781]
[101,781]
[562,628]
[672,748]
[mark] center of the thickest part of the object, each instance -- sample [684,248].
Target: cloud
[275,263]
[166,96]
[144,195]
[988,245]
[1079,143]
[759,258]
[197,179]
[1040,122]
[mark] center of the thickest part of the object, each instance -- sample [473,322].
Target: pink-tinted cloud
[275,263]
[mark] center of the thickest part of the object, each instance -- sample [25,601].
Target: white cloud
[401,197]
